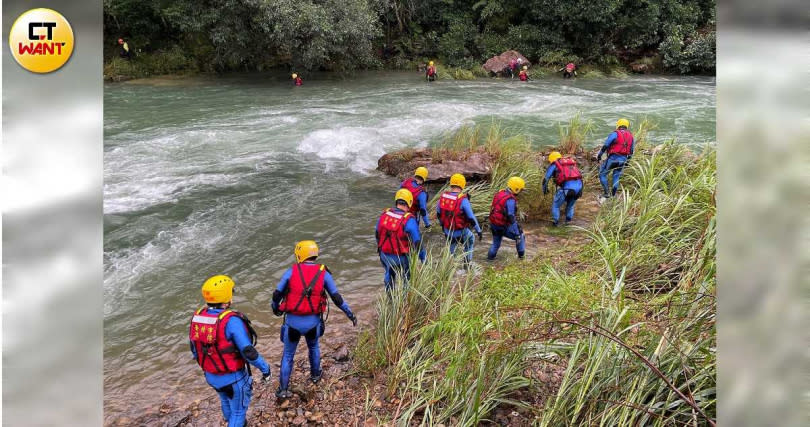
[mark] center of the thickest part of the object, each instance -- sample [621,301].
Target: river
[223,175]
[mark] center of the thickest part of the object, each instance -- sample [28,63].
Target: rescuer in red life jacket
[568,178]
[416,186]
[619,146]
[570,70]
[430,72]
[397,234]
[524,75]
[503,218]
[456,216]
[222,340]
[297,79]
[301,295]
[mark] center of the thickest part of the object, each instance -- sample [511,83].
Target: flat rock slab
[473,165]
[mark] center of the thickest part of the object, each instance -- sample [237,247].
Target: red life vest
[567,170]
[497,213]
[523,76]
[416,190]
[393,238]
[569,67]
[431,70]
[622,144]
[298,81]
[305,292]
[215,354]
[451,215]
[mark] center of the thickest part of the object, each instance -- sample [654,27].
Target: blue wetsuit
[235,389]
[464,236]
[569,192]
[393,263]
[614,163]
[309,326]
[511,231]
[422,202]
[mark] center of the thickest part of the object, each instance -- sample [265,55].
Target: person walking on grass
[456,216]
[619,146]
[503,218]
[568,178]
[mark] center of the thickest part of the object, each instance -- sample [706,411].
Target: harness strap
[307,294]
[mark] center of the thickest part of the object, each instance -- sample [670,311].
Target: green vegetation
[361,34]
[626,319]
[574,133]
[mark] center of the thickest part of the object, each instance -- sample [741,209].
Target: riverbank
[609,319]
[174,63]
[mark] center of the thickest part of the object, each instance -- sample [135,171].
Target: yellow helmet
[218,289]
[622,122]
[430,63]
[525,68]
[553,156]
[295,76]
[458,180]
[405,195]
[305,249]
[421,172]
[516,184]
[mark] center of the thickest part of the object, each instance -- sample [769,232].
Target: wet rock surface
[473,165]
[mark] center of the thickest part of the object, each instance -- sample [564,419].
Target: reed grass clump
[574,133]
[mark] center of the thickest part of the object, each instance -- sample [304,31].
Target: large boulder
[474,165]
[498,63]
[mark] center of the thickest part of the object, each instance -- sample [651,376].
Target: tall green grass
[631,315]
[574,133]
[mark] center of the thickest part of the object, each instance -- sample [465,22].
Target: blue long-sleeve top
[575,184]
[609,141]
[466,207]
[304,323]
[235,332]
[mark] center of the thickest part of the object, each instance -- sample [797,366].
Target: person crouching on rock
[430,72]
[397,233]
[456,216]
[301,297]
[416,185]
[503,218]
[569,185]
[297,80]
[222,340]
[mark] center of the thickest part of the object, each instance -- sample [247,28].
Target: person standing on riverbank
[397,233]
[125,52]
[222,340]
[619,146]
[301,297]
[297,79]
[416,185]
[503,218]
[430,72]
[456,216]
[568,178]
